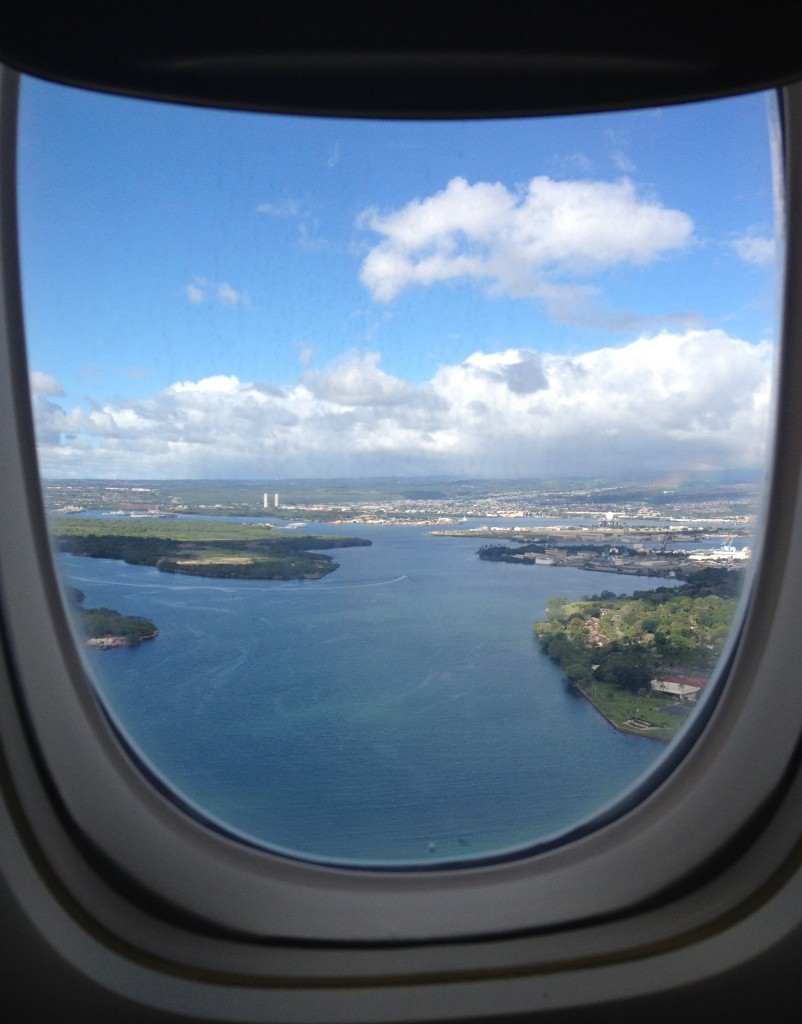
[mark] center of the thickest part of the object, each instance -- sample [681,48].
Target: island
[643,660]
[197,548]
[105,627]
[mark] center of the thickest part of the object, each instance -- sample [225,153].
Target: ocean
[398,711]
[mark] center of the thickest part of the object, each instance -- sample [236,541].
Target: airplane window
[403,478]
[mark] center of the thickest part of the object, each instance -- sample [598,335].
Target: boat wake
[365,583]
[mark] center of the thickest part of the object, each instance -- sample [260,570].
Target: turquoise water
[397,710]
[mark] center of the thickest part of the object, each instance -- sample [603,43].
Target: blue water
[397,710]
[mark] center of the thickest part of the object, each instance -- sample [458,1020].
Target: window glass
[402,477]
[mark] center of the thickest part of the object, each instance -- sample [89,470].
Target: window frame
[160,892]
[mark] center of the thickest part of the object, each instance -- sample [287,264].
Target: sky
[211,294]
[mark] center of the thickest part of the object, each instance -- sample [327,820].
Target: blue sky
[233,295]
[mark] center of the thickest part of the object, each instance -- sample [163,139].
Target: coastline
[233,551]
[653,733]
[105,643]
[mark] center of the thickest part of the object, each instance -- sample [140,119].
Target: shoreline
[232,551]
[619,727]
[104,643]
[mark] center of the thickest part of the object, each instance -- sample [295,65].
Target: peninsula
[667,551]
[197,548]
[643,660]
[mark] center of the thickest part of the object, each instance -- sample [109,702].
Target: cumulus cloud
[521,377]
[697,400]
[536,242]
[754,248]
[355,379]
[44,384]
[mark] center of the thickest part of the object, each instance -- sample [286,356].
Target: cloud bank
[697,400]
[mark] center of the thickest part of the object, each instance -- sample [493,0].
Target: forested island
[642,660]
[104,627]
[196,548]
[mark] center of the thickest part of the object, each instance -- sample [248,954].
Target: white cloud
[532,243]
[754,248]
[306,356]
[309,237]
[218,384]
[357,380]
[230,296]
[575,163]
[202,290]
[287,208]
[623,162]
[693,400]
[44,384]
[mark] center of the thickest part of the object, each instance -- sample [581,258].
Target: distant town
[730,507]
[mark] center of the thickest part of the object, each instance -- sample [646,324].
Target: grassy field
[164,529]
[645,715]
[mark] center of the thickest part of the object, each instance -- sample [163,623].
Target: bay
[398,711]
